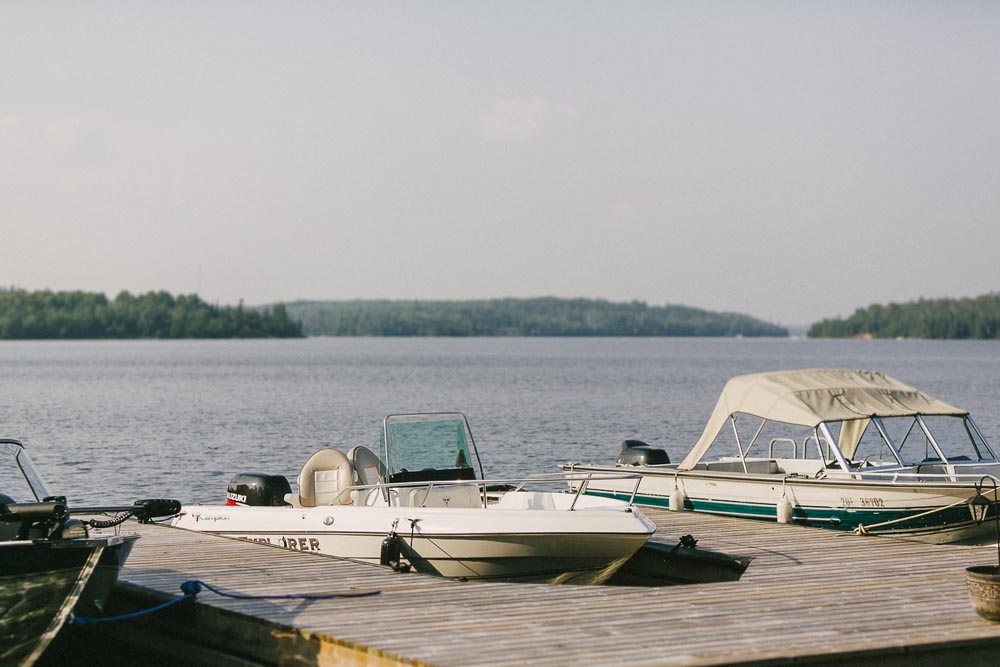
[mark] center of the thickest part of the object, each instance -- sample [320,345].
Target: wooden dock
[809,597]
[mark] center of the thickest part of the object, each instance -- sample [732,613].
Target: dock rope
[862,529]
[191,589]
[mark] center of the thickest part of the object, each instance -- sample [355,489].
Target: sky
[789,160]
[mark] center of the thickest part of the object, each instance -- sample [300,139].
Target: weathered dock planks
[810,596]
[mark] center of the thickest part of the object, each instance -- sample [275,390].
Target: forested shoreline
[546,316]
[89,315]
[968,318]
[46,314]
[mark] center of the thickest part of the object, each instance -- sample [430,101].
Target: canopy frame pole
[884,434]
[756,435]
[837,454]
[970,422]
[902,443]
[739,445]
[931,439]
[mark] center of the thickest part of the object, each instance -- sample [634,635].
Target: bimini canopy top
[810,397]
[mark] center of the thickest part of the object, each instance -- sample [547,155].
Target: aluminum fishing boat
[841,449]
[50,564]
[424,504]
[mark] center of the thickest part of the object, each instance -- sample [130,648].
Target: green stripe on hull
[822,517]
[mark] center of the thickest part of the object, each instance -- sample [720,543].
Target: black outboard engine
[252,488]
[638,453]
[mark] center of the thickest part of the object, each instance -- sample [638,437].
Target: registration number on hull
[862,502]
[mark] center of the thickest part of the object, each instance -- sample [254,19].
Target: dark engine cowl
[638,453]
[255,489]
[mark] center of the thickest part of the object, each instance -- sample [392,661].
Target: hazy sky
[790,160]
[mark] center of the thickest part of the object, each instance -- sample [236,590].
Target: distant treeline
[547,316]
[72,315]
[977,317]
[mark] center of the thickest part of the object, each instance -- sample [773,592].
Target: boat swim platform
[809,597]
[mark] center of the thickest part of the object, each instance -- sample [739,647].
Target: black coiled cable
[110,523]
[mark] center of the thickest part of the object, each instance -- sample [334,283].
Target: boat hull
[43,581]
[582,547]
[925,511]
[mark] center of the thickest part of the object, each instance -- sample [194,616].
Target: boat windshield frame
[833,454]
[25,466]
[395,464]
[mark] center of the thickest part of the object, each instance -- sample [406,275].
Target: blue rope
[193,587]
[83,620]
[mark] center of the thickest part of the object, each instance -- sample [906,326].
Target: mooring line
[193,587]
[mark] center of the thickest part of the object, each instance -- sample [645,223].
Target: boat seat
[803,467]
[325,478]
[367,466]
[369,471]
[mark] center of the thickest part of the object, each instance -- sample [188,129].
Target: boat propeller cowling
[638,453]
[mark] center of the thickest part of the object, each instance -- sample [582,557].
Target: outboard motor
[255,489]
[638,453]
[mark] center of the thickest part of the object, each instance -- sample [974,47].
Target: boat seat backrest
[367,466]
[324,479]
[368,471]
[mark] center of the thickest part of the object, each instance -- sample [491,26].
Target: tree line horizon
[972,318]
[45,314]
[539,316]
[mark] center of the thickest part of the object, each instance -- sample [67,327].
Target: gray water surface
[113,421]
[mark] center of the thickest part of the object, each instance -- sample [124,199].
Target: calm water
[116,421]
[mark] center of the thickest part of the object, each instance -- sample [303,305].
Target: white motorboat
[423,504]
[840,449]
[52,565]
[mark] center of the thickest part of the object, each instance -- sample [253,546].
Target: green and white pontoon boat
[840,449]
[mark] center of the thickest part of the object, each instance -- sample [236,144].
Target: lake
[114,421]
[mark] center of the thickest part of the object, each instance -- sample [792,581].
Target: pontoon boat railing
[775,441]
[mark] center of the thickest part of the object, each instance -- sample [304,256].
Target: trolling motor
[143,510]
[50,519]
[47,517]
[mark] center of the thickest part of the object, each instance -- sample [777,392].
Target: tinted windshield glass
[428,442]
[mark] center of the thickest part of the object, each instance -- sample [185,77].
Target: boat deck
[810,596]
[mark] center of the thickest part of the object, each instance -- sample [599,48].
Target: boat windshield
[956,438]
[429,446]
[877,441]
[19,480]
